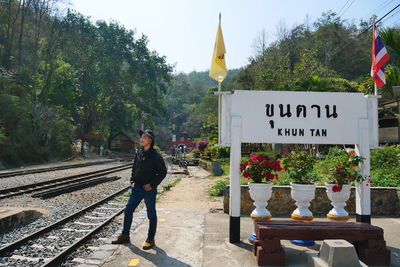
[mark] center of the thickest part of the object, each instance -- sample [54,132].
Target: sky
[184,30]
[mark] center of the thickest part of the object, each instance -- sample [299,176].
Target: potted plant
[299,166]
[202,145]
[341,176]
[260,170]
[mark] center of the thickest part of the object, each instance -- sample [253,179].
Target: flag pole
[373,30]
[219,102]
[219,112]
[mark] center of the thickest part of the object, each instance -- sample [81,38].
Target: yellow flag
[218,67]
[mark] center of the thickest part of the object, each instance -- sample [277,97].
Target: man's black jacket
[148,168]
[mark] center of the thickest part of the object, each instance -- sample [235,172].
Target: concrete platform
[13,217]
[201,238]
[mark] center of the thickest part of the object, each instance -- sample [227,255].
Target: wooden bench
[367,239]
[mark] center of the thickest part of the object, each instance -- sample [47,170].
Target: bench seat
[367,239]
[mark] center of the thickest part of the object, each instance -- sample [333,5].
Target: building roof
[124,134]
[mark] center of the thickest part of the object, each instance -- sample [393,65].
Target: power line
[384,16]
[387,19]
[342,8]
[352,2]
[364,31]
[381,6]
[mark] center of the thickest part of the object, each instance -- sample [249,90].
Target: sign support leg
[363,191]
[234,203]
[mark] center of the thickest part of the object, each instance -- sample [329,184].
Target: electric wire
[360,34]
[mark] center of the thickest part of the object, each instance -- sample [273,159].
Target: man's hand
[132,185]
[147,187]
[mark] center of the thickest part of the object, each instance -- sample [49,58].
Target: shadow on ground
[160,258]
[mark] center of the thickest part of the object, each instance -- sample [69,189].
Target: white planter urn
[260,193]
[338,201]
[302,194]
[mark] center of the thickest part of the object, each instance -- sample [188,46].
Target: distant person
[101,150]
[147,173]
[85,148]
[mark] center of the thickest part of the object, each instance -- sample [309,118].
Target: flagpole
[373,29]
[219,102]
[219,112]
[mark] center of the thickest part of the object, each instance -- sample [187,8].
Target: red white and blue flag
[379,57]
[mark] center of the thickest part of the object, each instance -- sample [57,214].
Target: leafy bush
[202,145]
[219,151]
[218,189]
[346,171]
[299,165]
[385,166]
[32,132]
[329,161]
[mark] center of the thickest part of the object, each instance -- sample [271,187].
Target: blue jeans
[138,193]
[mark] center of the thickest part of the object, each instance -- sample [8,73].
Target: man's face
[145,140]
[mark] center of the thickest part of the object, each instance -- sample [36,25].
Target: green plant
[202,145]
[218,188]
[299,166]
[219,151]
[385,166]
[345,171]
[170,185]
[259,167]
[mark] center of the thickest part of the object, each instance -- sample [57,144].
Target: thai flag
[379,57]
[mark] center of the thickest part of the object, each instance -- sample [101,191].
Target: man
[147,173]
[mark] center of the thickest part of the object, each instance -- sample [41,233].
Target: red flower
[243,166]
[269,176]
[246,174]
[259,167]
[336,188]
[339,164]
[261,158]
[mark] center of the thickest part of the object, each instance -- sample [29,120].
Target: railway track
[51,245]
[19,190]
[31,171]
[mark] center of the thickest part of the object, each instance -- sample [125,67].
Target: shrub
[259,167]
[202,145]
[218,189]
[345,171]
[219,151]
[299,165]
[385,166]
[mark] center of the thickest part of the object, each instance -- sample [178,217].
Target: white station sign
[294,117]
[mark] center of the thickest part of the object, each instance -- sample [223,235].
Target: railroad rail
[24,189]
[57,168]
[53,235]
[74,187]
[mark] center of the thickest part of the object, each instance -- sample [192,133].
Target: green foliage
[392,75]
[309,59]
[385,166]
[62,77]
[346,171]
[170,185]
[299,165]
[219,151]
[218,189]
[32,131]
[192,106]
[391,39]
[329,161]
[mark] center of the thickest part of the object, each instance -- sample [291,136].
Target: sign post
[297,118]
